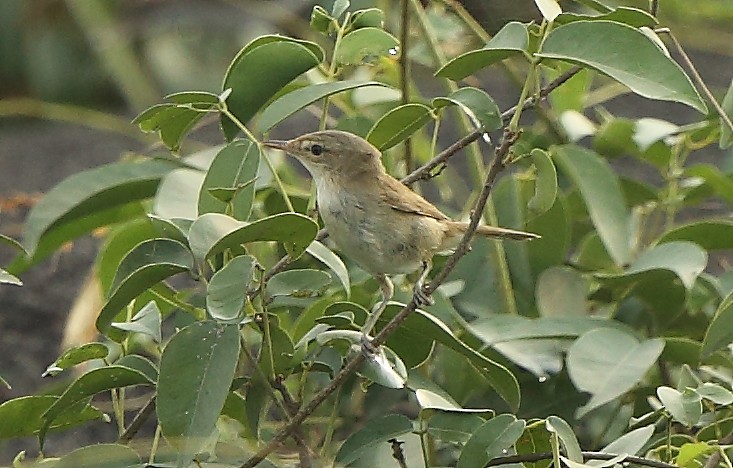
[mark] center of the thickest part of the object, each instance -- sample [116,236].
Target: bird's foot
[421,298]
[367,347]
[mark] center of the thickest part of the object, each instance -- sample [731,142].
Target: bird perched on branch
[372,217]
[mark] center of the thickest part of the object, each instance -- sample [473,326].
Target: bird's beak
[276,144]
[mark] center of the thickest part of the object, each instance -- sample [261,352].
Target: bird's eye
[316,149]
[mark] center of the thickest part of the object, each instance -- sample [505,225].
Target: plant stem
[405,74]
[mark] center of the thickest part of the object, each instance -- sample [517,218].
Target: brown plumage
[372,217]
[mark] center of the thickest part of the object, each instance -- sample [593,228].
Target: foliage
[611,332]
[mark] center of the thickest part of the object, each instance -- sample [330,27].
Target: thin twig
[691,66]
[533,457]
[714,459]
[397,452]
[404,73]
[138,421]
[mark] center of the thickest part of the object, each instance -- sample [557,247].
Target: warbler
[373,218]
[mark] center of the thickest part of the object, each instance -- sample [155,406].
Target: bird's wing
[401,198]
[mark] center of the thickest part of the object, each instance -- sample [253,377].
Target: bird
[374,219]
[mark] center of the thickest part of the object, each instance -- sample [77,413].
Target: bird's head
[332,152]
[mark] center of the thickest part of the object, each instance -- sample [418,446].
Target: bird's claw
[367,347]
[421,298]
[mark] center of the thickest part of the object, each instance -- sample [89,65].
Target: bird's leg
[421,298]
[385,284]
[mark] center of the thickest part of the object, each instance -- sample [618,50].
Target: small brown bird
[372,217]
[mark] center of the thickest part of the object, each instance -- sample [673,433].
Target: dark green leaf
[398,124]
[377,431]
[714,178]
[140,364]
[720,332]
[607,363]
[491,440]
[95,381]
[512,39]
[369,18]
[90,192]
[227,291]
[288,104]
[298,283]
[321,21]
[602,195]
[710,234]
[453,427]
[281,349]
[213,233]
[100,456]
[631,16]
[196,368]
[260,70]
[22,416]
[478,105]
[545,186]
[77,355]
[364,43]
[143,267]
[626,55]
[236,164]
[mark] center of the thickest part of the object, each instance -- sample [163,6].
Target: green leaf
[363,44]
[321,21]
[632,442]
[420,328]
[143,267]
[326,256]
[627,15]
[684,259]
[339,7]
[512,39]
[720,332]
[22,416]
[545,187]
[173,120]
[726,133]
[288,104]
[226,293]
[490,440]
[607,363]
[690,454]
[118,243]
[73,356]
[625,54]
[196,368]
[479,106]
[550,9]
[567,437]
[147,321]
[535,439]
[715,393]
[376,431]
[281,348]
[234,165]
[89,384]
[710,234]
[100,456]
[140,364]
[368,18]
[259,71]
[398,124]
[384,368]
[720,183]
[90,192]
[453,427]
[561,292]
[7,278]
[213,233]
[296,287]
[12,243]
[684,407]
[602,195]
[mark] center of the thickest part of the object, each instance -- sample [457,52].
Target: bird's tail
[498,232]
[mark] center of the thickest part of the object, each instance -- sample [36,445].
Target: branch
[138,421]
[353,364]
[533,457]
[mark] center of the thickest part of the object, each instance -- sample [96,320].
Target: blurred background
[74,73]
